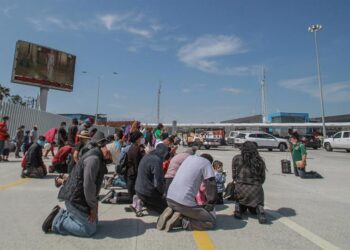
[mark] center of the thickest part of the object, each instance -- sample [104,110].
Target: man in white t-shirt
[182,207]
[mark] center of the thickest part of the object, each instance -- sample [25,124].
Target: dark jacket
[134,155]
[34,156]
[84,182]
[72,132]
[150,176]
[62,136]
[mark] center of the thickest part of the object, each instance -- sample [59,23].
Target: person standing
[19,140]
[80,193]
[158,132]
[62,135]
[26,142]
[72,132]
[34,134]
[3,134]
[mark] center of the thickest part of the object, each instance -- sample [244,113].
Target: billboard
[43,67]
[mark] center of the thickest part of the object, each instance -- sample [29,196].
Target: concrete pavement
[303,214]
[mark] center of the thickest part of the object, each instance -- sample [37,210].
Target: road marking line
[13,184]
[322,243]
[203,240]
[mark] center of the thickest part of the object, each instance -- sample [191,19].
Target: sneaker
[47,225]
[175,218]
[164,217]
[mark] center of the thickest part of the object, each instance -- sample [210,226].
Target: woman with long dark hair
[248,173]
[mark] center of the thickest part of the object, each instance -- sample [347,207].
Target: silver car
[262,140]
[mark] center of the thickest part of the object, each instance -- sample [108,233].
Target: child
[6,151]
[220,177]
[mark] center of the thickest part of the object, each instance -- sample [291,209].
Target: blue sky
[208,55]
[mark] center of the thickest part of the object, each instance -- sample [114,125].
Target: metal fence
[21,115]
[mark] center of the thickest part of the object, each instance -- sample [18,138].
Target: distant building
[101,118]
[248,119]
[334,118]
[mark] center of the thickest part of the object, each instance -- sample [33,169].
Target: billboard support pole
[43,98]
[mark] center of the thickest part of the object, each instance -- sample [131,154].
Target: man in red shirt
[59,161]
[3,134]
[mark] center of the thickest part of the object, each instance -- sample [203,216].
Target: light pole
[314,29]
[98,93]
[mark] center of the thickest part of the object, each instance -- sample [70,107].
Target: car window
[252,136]
[265,136]
[346,135]
[241,136]
[337,135]
[232,134]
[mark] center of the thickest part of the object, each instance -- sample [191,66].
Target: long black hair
[251,157]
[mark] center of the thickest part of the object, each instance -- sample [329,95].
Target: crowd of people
[182,188]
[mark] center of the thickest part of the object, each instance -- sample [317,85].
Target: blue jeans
[73,222]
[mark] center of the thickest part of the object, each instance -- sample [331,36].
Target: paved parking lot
[303,214]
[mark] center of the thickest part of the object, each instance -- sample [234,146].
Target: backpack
[122,161]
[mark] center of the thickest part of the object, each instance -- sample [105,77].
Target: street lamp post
[314,29]
[98,93]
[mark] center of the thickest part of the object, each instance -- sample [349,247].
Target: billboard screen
[43,67]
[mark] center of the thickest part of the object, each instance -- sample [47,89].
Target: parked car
[231,137]
[262,140]
[340,140]
[311,141]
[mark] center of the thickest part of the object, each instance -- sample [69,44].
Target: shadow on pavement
[273,215]
[228,222]
[121,229]
[221,207]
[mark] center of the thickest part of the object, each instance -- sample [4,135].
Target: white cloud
[6,10]
[333,92]
[185,90]
[232,90]
[200,54]
[118,96]
[130,22]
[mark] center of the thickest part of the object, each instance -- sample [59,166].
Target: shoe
[261,215]
[175,218]
[107,197]
[164,217]
[47,225]
[237,213]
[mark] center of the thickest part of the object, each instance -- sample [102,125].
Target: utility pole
[263,96]
[158,102]
[314,29]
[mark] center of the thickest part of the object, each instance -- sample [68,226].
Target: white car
[262,140]
[231,138]
[340,140]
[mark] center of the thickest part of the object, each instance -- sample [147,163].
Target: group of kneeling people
[174,194]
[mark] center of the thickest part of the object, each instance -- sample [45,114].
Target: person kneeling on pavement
[33,165]
[59,161]
[80,193]
[182,210]
[248,174]
[150,181]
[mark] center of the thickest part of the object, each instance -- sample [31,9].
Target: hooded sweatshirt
[150,176]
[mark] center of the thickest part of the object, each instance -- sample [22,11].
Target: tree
[4,92]
[17,99]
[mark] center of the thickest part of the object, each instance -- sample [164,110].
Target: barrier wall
[21,115]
